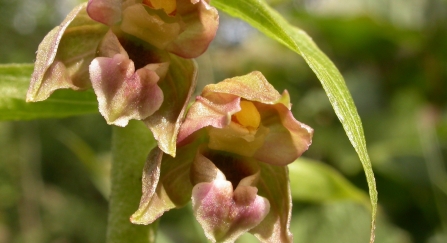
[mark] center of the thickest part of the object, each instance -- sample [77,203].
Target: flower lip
[123,91]
[225,199]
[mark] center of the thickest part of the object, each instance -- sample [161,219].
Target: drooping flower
[233,148]
[132,53]
[247,116]
[182,27]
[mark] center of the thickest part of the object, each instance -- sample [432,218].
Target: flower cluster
[228,154]
[134,53]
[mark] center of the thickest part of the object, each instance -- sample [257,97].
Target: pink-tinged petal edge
[223,217]
[204,112]
[107,12]
[226,214]
[202,21]
[122,92]
[288,138]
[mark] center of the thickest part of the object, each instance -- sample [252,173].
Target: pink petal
[107,12]
[124,94]
[287,139]
[226,214]
[205,112]
[201,22]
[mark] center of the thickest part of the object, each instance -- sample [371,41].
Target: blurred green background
[393,56]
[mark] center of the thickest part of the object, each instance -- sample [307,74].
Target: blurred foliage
[14,83]
[52,172]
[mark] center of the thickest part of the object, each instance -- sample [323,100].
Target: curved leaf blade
[261,16]
[14,82]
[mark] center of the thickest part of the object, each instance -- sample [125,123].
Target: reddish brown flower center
[140,54]
[233,168]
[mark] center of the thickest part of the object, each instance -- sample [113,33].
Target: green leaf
[14,82]
[261,16]
[317,182]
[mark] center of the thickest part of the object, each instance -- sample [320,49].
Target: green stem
[130,147]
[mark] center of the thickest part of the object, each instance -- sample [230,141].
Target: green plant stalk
[130,147]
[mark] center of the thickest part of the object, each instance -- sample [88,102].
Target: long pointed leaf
[261,16]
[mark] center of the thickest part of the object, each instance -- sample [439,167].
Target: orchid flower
[233,149]
[133,55]
[182,27]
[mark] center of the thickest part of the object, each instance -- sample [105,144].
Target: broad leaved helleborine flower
[233,149]
[182,27]
[132,54]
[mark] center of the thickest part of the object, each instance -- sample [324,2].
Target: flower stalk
[130,146]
